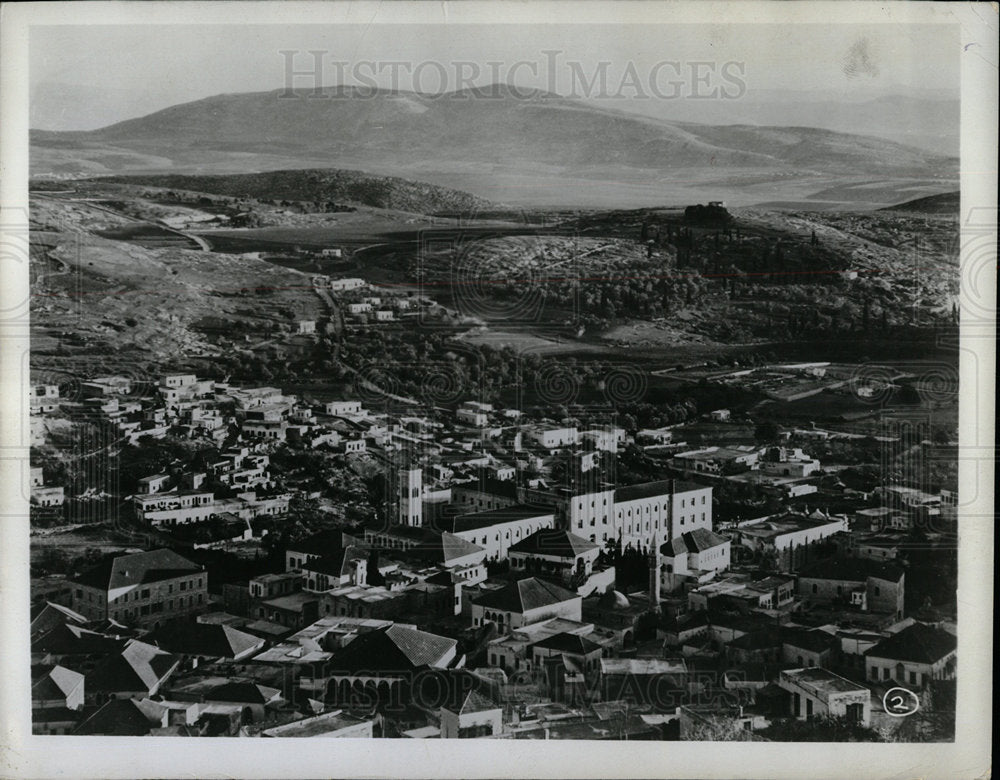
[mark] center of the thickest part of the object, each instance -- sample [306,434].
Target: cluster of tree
[648,293]
[57,560]
[631,565]
[310,206]
[712,214]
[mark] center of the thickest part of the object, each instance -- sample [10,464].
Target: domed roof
[616,599]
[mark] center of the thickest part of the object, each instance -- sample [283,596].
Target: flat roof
[642,666]
[822,681]
[293,601]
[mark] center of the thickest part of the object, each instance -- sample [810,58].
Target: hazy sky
[132,70]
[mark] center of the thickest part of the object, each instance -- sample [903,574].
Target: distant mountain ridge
[495,125]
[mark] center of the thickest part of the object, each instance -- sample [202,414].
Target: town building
[143,589]
[496,530]
[785,540]
[552,437]
[474,413]
[913,657]
[817,692]
[523,602]
[717,460]
[787,462]
[343,408]
[853,583]
[693,557]
[555,553]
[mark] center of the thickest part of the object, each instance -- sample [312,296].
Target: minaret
[653,557]
[408,491]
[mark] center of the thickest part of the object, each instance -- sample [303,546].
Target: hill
[383,192]
[945,203]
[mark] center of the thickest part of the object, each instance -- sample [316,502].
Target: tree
[767,432]
[821,729]
[718,729]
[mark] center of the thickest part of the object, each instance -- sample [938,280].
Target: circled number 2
[900,702]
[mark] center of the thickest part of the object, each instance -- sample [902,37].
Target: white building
[714,460]
[497,530]
[691,555]
[552,438]
[785,462]
[605,439]
[474,413]
[346,284]
[816,693]
[342,408]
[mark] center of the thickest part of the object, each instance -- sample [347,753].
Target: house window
[913,678]
[145,593]
[815,589]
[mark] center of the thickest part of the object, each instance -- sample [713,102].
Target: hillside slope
[384,192]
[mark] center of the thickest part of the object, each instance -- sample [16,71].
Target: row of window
[914,677]
[147,609]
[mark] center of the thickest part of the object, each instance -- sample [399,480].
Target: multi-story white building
[649,514]
[691,555]
[195,506]
[640,516]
